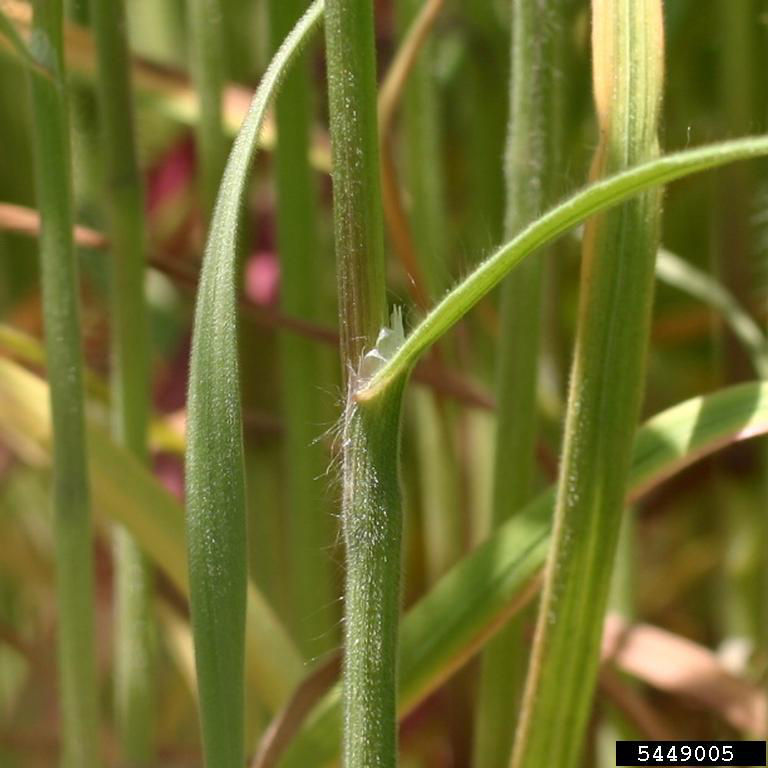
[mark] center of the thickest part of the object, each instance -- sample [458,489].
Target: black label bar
[672,753]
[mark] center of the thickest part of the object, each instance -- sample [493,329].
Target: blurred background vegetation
[694,557]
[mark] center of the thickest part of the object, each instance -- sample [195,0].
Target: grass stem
[71,496]
[207,64]
[355,157]
[532,155]
[371,511]
[130,370]
[300,274]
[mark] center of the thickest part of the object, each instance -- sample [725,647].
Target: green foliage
[462,612]
[207,65]
[130,371]
[597,197]
[534,149]
[71,496]
[605,392]
[371,505]
[443,538]
[214,468]
[300,359]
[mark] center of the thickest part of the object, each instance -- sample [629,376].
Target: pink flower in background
[174,170]
[262,277]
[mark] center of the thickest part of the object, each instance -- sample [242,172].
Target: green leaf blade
[216,534]
[596,198]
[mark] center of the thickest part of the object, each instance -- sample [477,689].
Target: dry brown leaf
[684,668]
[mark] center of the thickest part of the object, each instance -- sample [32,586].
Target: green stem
[607,384]
[355,157]
[440,507]
[372,523]
[732,263]
[533,149]
[206,43]
[485,116]
[423,166]
[371,514]
[71,497]
[441,518]
[130,370]
[300,275]
[86,180]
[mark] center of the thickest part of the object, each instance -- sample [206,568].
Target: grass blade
[484,119]
[410,76]
[447,627]
[595,198]
[606,389]
[86,163]
[215,479]
[159,89]
[71,495]
[682,275]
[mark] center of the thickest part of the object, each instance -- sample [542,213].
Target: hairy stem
[372,520]
[371,517]
[355,158]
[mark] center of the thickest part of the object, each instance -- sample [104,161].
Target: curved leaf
[215,481]
[595,198]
